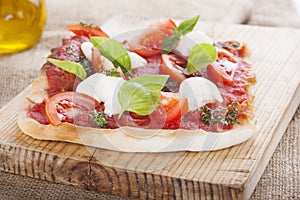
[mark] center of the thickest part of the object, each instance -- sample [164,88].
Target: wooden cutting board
[231,173]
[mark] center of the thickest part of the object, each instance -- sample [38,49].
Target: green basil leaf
[113,51]
[135,98]
[188,25]
[177,33]
[169,43]
[200,56]
[141,95]
[72,67]
[151,82]
[154,83]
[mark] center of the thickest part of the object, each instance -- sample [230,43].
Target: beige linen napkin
[61,13]
[276,13]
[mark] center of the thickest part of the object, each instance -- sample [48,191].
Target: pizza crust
[128,139]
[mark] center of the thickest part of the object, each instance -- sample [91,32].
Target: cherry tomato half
[170,68]
[86,30]
[174,107]
[217,72]
[149,43]
[218,75]
[71,107]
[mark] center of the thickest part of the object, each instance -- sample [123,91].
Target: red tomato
[222,53]
[71,107]
[218,75]
[86,30]
[149,43]
[170,68]
[173,106]
[217,72]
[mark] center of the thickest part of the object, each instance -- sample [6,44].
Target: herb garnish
[184,27]
[141,95]
[200,56]
[223,115]
[86,64]
[229,44]
[113,51]
[72,67]
[99,118]
[111,72]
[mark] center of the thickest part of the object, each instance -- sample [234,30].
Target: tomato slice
[217,71]
[217,75]
[86,30]
[71,107]
[170,68]
[174,107]
[149,43]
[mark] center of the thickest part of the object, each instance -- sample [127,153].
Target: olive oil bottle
[21,24]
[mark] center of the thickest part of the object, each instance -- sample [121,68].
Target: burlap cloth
[281,179]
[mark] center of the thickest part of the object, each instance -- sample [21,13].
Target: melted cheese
[104,89]
[136,60]
[199,91]
[86,48]
[188,41]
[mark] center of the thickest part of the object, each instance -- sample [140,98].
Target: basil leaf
[151,82]
[200,56]
[177,33]
[188,25]
[154,83]
[169,43]
[135,98]
[72,67]
[141,95]
[113,51]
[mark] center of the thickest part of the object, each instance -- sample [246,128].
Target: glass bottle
[21,24]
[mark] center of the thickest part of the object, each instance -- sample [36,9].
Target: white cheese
[199,91]
[136,60]
[86,49]
[187,42]
[104,89]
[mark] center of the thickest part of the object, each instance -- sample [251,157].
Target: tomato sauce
[38,113]
[236,89]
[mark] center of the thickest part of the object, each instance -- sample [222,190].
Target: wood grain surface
[231,173]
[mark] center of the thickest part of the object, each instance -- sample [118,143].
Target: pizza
[166,88]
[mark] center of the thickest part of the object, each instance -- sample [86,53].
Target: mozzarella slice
[199,91]
[136,60]
[104,89]
[86,48]
[187,42]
